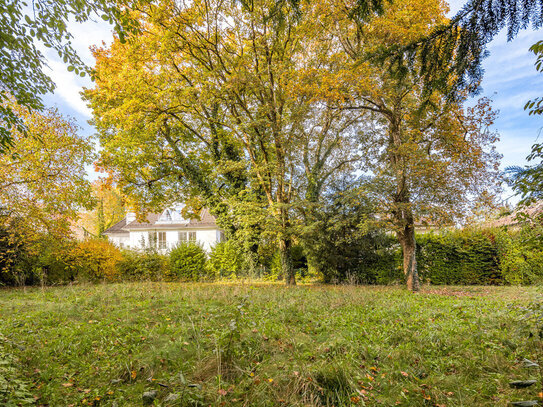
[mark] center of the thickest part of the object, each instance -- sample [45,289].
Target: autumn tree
[42,187]
[109,209]
[222,101]
[43,179]
[430,158]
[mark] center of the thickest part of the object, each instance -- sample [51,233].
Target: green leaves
[21,63]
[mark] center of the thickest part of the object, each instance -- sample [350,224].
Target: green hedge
[187,262]
[480,256]
[142,266]
[464,257]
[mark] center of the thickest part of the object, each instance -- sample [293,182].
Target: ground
[263,345]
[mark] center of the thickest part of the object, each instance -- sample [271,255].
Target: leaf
[529,363]
[182,378]
[521,384]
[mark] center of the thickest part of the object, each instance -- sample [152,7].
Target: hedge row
[49,263]
[482,257]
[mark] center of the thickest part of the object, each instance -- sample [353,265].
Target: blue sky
[510,80]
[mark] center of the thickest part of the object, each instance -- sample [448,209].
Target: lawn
[262,345]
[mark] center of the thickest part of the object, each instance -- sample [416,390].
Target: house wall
[138,239]
[121,240]
[206,237]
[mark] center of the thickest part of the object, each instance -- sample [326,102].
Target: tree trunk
[286,261]
[407,240]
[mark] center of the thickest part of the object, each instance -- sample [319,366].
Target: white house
[164,231]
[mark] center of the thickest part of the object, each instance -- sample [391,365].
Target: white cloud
[68,84]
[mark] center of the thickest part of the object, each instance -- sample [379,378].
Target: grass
[261,345]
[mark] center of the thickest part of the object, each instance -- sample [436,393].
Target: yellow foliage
[97,259]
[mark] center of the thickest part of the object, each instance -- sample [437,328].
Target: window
[161,240]
[187,236]
[152,239]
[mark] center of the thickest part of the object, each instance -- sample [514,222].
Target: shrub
[28,258]
[225,260]
[521,255]
[187,262]
[140,266]
[96,259]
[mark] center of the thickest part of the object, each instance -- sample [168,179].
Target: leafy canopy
[25,26]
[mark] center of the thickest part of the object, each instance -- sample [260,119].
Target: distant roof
[206,221]
[513,219]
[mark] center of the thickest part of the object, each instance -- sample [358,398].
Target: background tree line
[263,110]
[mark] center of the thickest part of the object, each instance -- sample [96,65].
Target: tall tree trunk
[409,245]
[286,261]
[402,213]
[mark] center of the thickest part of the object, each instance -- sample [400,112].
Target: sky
[510,80]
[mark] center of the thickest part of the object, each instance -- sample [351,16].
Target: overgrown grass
[263,345]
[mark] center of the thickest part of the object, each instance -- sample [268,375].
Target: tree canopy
[43,180]
[27,25]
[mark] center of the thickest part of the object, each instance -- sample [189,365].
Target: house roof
[206,221]
[118,227]
[514,219]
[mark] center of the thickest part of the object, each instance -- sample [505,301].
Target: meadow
[173,344]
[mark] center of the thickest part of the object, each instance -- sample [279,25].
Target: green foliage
[528,181]
[45,22]
[493,256]
[187,262]
[143,266]
[343,242]
[14,389]
[521,254]
[459,257]
[535,106]
[225,260]
[42,259]
[449,58]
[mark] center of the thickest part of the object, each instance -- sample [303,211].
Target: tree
[528,181]
[222,102]
[449,57]
[23,27]
[109,209]
[430,157]
[43,179]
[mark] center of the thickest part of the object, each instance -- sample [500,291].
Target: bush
[225,260]
[141,266]
[96,260]
[521,254]
[28,258]
[187,262]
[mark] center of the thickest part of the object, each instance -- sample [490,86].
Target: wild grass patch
[266,345]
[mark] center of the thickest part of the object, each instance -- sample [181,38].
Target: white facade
[165,231]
